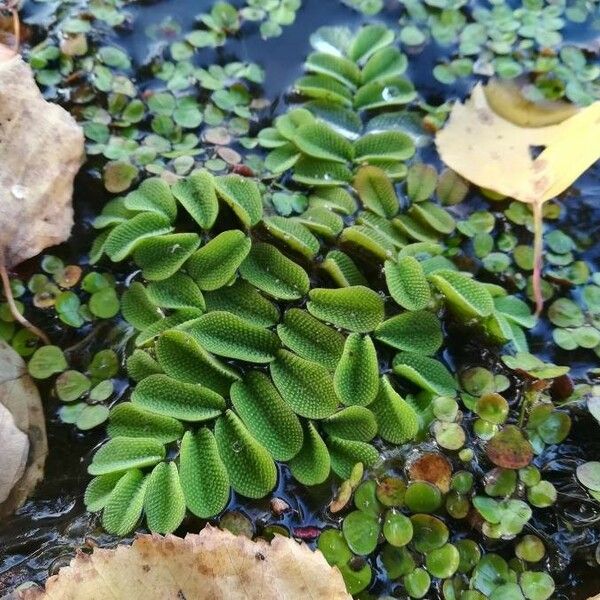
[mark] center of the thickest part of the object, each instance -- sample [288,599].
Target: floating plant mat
[304,287]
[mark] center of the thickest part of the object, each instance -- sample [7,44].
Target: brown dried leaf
[41,150]
[213,565]
[432,467]
[22,429]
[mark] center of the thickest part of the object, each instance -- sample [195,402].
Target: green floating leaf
[321,221]
[425,372]
[346,453]
[98,491]
[312,464]
[122,453]
[129,420]
[369,240]
[177,319]
[310,338]
[268,418]
[71,385]
[407,283]
[293,234]
[336,199]
[47,361]
[383,64]
[197,195]
[162,256]
[137,307]
[392,91]
[140,365]
[226,334]
[177,291]
[419,331]
[122,240]
[421,181]
[274,273]
[342,270]
[203,475]
[356,308]
[352,423]
[305,385]
[163,395]
[384,146]
[369,40]
[361,531]
[356,377]
[216,264]
[341,69]
[124,506]
[414,230]
[251,469]
[244,300]
[113,213]
[434,216]
[242,195]
[316,171]
[397,421]
[282,158]
[376,191]
[467,296]
[153,195]
[288,123]
[164,503]
[322,142]
[384,228]
[322,87]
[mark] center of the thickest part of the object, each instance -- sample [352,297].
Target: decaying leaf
[497,154]
[23,444]
[41,150]
[213,565]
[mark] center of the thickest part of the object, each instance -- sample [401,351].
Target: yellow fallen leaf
[212,565]
[496,154]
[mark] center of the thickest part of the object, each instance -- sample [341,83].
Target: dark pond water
[44,533]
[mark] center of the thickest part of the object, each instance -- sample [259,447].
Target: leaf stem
[14,311]
[538,259]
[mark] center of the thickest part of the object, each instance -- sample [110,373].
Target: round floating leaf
[509,449]
[356,308]
[293,234]
[530,548]
[203,476]
[417,583]
[536,585]
[390,491]
[407,283]
[427,373]
[122,240]
[429,532]
[242,195]
[469,555]
[164,503]
[356,378]
[365,498]
[274,273]
[422,496]
[418,331]
[356,580]
[251,469]
[432,467]
[162,256]
[267,416]
[163,395]
[376,191]
[312,464]
[346,453]
[443,562]
[122,453]
[123,508]
[47,361]
[491,572]
[397,528]
[396,419]
[467,296]
[352,423]
[129,420]
[332,544]
[588,475]
[361,531]
[244,300]
[228,335]
[177,291]
[216,264]
[310,338]
[321,141]
[555,427]
[197,195]
[397,561]
[98,491]
[492,408]
[71,385]
[305,385]
[542,494]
